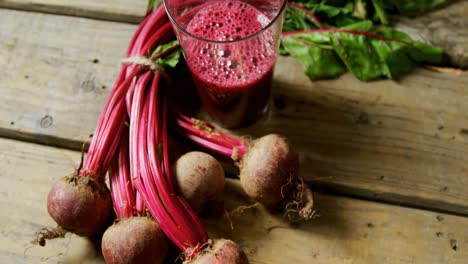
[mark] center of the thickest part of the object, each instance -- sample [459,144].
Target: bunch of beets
[151,201]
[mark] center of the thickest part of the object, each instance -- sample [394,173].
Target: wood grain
[28,171]
[399,141]
[404,141]
[115,10]
[445,28]
[344,231]
[53,68]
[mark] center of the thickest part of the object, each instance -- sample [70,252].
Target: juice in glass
[230,48]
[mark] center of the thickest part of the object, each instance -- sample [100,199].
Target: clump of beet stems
[142,92]
[134,237]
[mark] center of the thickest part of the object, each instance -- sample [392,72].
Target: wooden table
[388,159]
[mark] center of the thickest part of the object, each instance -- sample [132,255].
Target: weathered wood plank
[399,141]
[446,28]
[53,67]
[115,10]
[346,230]
[27,173]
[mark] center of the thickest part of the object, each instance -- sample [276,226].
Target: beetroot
[269,175]
[269,166]
[220,251]
[134,240]
[80,204]
[267,170]
[198,177]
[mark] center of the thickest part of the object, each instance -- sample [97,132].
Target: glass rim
[171,18]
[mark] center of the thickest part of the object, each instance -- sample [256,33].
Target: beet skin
[81,205]
[220,251]
[268,169]
[199,177]
[134,240]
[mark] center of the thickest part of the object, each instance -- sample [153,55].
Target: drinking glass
[230,47]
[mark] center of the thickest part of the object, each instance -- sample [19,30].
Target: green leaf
[379,14]
[413,6]
[282,50]
[295,19]
[420,52]
[387,53]
[171,59]
[351,42]
[365,25]
[370,58]
[329,12]
[341,13]
[318,58]
[152,4]
[358,56]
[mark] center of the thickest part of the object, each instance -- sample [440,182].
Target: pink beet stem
[129,96]
[114,144]
[203,236]
[106,131]
[156,19]
[162,171]
[162,202]
[124,181]
[162,35]
[207,136]
[117,200]
[154,29]
[308,13]
[123,196]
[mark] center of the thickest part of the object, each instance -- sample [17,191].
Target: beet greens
[347,40]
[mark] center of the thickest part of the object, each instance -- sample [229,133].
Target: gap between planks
[231,172]
[344,231]
[110,10]
[439,27]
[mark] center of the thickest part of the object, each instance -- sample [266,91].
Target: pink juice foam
[233,79]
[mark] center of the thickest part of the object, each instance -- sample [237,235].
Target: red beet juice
[233,78]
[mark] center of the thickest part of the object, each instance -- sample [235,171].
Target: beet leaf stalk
[134,237]
[150,169]
[206,135]
[81,203]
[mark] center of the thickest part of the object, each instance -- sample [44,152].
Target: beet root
[81,205]
[199,177]
[269,175]
[220,251]
[268,168]
[47,234]
[134,240]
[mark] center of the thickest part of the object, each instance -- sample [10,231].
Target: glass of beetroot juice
[230,47]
